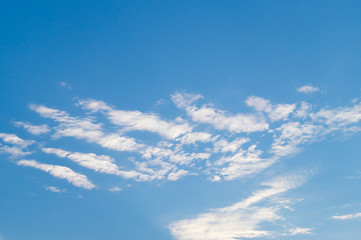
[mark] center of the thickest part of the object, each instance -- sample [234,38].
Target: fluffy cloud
[61,172]
[243,219]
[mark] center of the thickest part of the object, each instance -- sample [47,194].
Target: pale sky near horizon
[180,120]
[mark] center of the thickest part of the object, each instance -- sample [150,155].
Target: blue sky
[180,120]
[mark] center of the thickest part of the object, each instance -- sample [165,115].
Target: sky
[201,120]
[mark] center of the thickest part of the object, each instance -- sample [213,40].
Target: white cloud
[14,152]
[338,118]
[174,176]
[54,189]
[98,163]
[61,172]
[184,100]
[115,189]
[13,139]
[347,217]
[156,169]
[227,153]
[219,119]
[19,145]
[223,145]
[242,163]
[136,120]
[304,110]
[191,138]
[293,134]
[242,219]
[275,112]
[85,128]
[183,158]
[298,230]
[308,89]
[119,143]
[34,129]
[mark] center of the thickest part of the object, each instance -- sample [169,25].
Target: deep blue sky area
[142,55]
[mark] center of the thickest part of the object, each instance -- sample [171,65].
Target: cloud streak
[136,120]
[347,217]
[34,129]
[242,219]
[61,172]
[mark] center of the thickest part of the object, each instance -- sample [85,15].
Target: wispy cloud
[242,219]
[298,230]
[14,151]
[219,119]
[347,217]
[54,189]
[115,189]
[275,112]
[207,141]
[15,140]
[98,163]
[308,89]
[61,172]
[17,146]
[174,176]
[34,129]
[136,120]
[85,128]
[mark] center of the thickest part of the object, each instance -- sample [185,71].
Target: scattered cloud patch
[221,120]
[54,189]
[308,89]
[174,176]
[275,112]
